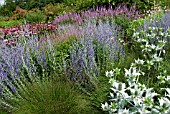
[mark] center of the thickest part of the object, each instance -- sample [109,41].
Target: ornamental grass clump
[146,88]
[52,96]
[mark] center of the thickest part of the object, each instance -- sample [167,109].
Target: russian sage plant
[26,62]
[161,21]
[133,96]
[95,50]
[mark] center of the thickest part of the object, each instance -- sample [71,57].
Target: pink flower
[13,43]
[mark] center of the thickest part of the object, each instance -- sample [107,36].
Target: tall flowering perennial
[132,96]
[26,62]
[100,12]
[96,48]
[161,21]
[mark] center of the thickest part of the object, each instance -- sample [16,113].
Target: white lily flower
[147,45]
[149,63]
[161,79]
[150,94]
[148,35]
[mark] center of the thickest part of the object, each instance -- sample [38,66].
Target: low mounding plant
[145,89]
[28,30]
[10,23]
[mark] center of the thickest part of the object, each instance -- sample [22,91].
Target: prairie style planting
[98,61]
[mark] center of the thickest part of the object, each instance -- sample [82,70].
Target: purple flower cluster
[20,63]
[10,64]
[65,31]
[163,22]
[97,46]
[100,12]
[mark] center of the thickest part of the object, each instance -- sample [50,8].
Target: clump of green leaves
[10,23]
[2,112]
[35,17]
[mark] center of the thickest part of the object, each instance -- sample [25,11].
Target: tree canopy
[10,5]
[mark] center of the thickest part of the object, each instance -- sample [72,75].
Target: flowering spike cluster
[100,12]
[25,62]
[95,42]
[163,22]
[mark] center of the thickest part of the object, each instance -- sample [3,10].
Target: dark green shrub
[142,5]
[62,52]
[2,112]
[1,18]
[51,10]
[35,17]
[8,8]
[163,3]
